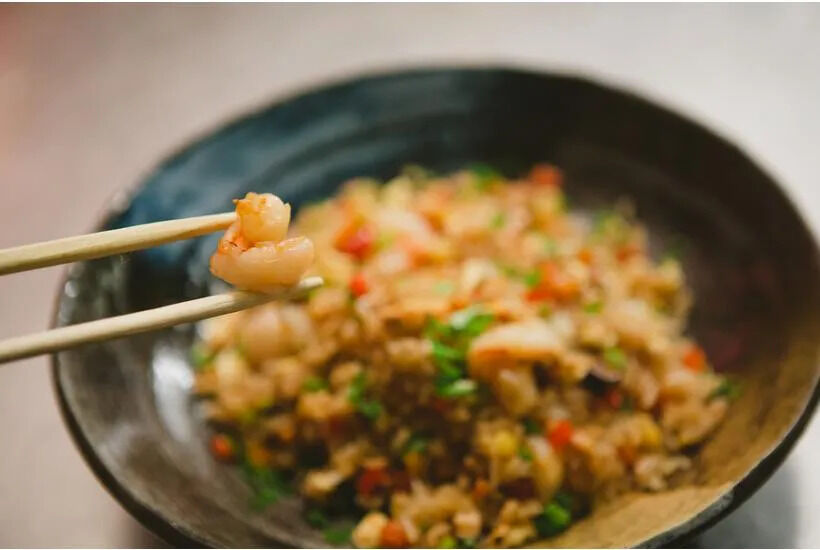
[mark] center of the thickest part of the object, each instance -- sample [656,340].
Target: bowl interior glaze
[746,252]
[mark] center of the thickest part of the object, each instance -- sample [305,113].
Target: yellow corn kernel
[504,443]
[652,436]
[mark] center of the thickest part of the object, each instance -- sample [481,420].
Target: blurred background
[93,96]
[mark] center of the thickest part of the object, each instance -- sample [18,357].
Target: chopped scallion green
[314,384]
[615,357]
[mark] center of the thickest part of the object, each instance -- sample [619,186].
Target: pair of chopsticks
[118,241]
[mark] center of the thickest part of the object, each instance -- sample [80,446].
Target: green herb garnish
[531,427]
[416,444]
[448,541]
[498,221]
[450,342]
[201,356]
[371,409]
[314,384]
[615,357]
[545,311]
[268,485]
[525,454]
[593,307]
[554,519]
[728,389]
[316,518]
[485,176]
[339,534]
[532,279]
[471,321]
[457,388]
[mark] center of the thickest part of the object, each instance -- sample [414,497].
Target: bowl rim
[180,535]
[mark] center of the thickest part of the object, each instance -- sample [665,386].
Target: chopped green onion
[484,176]
[416,444]
[458,388]
[615,357]
[314,384]
[467,542]
[553,520]
[268,485]
[498,221]
[448,541]
[339,534]
[728,389]
[593,307]
[531,427]
[525,454]
[472,320]
[564,499]
[355,395]
[443,352]
[316,518]
[201,356]
[532,279]
[370,409]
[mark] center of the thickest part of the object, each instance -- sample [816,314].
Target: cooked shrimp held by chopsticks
[254,254]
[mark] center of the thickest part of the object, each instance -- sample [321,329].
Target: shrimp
[254,253]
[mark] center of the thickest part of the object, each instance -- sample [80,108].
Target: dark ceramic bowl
[748,255]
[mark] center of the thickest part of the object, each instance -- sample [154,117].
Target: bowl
[748,256]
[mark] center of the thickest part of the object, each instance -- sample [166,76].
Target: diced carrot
[481,489]
[694,358]
[393,535]
[624,252]
[559,434]
[222,447]
[372,479]
[546,174]
[358,285]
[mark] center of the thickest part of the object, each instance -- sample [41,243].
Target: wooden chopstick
[143,321]
[106,243]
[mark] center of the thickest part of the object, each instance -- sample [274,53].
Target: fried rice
[481,367]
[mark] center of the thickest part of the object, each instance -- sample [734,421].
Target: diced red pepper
[222,447]
[540,293]
[371,480]
[694,358]
[614,398]
[559,434]
[546,174]
[358,285]
[356,241]
[554,285]
[393,535]
[481,489]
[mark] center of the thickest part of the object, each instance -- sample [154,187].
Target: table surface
[92,97]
